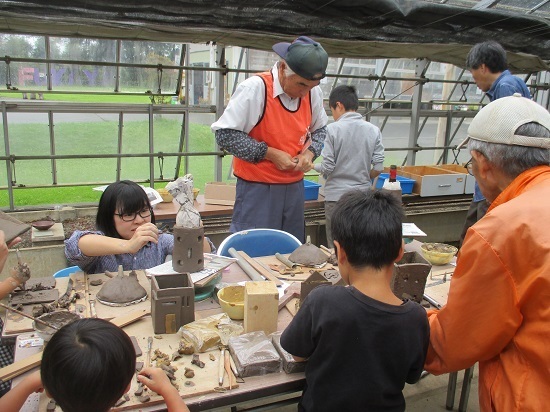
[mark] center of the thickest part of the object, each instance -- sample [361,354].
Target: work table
[166,211]
[253,388]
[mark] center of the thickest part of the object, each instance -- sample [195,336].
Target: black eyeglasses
[130,217]
[468,166]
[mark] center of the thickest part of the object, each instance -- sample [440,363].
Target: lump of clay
[122,290]
[308,255]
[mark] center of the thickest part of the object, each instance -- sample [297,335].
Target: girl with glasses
[126,234]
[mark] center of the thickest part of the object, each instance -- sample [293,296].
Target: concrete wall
[59,215]
[44,261]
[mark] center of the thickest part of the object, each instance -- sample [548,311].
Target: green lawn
[101,138]
[138,97]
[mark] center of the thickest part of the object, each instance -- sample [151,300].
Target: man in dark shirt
[489,67]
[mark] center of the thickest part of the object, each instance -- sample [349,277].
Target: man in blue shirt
[489,67]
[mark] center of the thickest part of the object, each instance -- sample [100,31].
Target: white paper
[212,264]
[31,342]
[152,194]
[411,230]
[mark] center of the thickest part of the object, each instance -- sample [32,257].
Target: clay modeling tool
[29,316]
[19,258]
[432,301]
[234,370]
[221,370]
[149,349]
[227,366]
[233,367]
[21,266]
[92,308]
[221,367]
[326,250]
[285,260]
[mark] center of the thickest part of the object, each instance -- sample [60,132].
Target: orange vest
[281,129]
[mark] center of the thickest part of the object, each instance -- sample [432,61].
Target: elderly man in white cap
[275,126]
[498,310]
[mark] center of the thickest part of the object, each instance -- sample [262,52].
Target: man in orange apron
[275,126]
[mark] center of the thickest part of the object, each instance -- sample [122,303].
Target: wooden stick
[259,268]
[17,368]
[29,316]
[227,365]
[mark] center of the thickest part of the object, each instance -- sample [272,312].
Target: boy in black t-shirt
[362,342]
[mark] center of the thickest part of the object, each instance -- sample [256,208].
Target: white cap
[498,121]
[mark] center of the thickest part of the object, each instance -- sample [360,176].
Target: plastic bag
[254,354]
[210,332]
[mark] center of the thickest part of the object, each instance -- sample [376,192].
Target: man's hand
[304,161]
[282,160]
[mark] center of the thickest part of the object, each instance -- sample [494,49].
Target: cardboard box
[220,193]
[434,181]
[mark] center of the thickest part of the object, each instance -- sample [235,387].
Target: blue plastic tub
[311,190]
[406,183]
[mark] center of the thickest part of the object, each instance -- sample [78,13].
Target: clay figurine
[308,255]
[182,190]
[188,255]
[122,290]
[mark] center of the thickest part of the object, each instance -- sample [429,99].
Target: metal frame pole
[220,100]
[420,69]
[7,150]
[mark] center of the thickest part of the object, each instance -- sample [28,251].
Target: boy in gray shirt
[353,153]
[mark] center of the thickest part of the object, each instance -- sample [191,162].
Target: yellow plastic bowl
[438,253]
[195,193]
[165,194]
[231,300]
